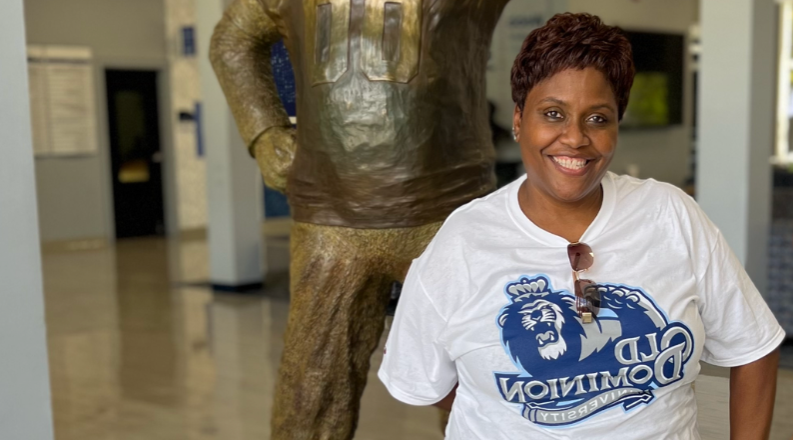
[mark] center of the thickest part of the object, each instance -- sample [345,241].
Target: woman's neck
[568,220]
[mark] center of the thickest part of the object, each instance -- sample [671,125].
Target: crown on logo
[526,288]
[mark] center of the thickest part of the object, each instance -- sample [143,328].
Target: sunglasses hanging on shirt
[587,296]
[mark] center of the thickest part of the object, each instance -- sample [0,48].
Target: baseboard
[277,227]
[74,245]
[193,234]
[271,228]
[240,288]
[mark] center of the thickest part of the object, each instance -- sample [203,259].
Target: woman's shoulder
[628,185]
[669,204]
[651,192]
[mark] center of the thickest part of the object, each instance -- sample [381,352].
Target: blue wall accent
[199,137]
[188,41]
[275,203]
[284,77]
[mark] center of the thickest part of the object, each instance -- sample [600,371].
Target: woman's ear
[517,117]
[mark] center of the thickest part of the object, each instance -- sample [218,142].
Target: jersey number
[390,44]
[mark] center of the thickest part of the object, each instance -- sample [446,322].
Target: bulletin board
[62,100]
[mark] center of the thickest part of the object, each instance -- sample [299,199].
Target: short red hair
[574,41]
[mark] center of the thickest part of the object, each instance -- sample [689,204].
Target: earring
[514,134]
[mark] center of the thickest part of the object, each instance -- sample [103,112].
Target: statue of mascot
[393,135]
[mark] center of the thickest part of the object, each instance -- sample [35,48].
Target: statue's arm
[240,55]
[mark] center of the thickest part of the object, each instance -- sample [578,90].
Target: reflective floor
[141,349]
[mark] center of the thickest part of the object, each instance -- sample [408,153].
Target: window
[782,153]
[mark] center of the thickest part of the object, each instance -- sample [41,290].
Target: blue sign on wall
[188,41]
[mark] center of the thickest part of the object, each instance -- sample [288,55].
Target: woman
[576,303]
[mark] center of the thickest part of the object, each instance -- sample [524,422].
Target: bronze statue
[393,136]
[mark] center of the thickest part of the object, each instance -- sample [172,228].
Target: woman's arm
[752,393]
[446,403]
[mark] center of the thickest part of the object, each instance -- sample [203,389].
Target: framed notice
[62,100]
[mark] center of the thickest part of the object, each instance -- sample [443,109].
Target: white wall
[114,29]
[25,411]
[653,15]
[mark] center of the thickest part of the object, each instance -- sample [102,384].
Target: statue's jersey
[393,123]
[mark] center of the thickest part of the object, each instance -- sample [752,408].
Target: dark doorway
[135,152]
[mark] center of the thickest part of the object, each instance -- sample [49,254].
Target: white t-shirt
[489,305]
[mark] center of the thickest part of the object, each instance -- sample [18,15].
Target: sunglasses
[587,296]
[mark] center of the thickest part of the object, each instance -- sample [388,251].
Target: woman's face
[568,133]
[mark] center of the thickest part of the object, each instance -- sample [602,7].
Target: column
[234,187]
[736,128]
[24,373]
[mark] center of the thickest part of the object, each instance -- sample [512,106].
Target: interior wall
[663,153]
[25,411]
[75,193]
[71,198]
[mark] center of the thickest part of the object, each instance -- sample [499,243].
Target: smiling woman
[567,131]
[492,323]
[571,83]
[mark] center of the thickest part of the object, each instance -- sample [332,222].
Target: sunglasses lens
[587,297]
[581,256]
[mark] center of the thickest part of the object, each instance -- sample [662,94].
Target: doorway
[136,160]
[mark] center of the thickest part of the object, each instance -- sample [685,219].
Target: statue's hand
[274,152]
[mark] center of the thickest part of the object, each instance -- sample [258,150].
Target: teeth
[570,163]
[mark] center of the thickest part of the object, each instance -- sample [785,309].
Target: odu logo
[570,371]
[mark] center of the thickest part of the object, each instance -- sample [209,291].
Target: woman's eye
[554,114]
[598,119]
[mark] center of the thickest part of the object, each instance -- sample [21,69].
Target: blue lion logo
[570,370]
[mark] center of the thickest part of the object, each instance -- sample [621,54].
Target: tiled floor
[141,350]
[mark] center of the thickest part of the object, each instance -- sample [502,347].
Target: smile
[571,165]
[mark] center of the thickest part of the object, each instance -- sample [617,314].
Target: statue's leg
[338,300]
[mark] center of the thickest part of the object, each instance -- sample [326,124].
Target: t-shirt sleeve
[739,326]
[417,368]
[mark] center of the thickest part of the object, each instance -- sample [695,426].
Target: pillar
[25,410]
[736,128]
[234,185]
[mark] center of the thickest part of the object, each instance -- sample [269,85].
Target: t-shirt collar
[593,231]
